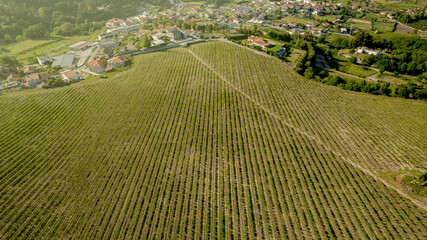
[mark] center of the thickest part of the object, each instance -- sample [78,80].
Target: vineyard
[210,141]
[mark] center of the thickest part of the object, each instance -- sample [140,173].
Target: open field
[205,142]
[294,56]
[384,26]
[401,28]
[32,48]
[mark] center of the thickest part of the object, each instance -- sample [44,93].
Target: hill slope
[211,141]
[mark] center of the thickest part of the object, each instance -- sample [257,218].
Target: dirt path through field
[308,135]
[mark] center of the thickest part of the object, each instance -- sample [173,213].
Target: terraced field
[210,141]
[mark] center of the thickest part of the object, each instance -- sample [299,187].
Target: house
[44,76]
[64,60]
[368,51]
[118,62]
[104,53]
[29,69]
[343,30]
[44,59]
[108,43]
[97,66]
[105,36]
[175,34]
[12,77]
[373,79]
[32,80]
[126,29]
[189,32]
[159,36]
[130,48]
[318,12]
[260,41]
[82,45]
[114,23]
[159,43]
[281,52]
[170,28]
[69,76]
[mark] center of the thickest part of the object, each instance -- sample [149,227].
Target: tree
[66,29]
[56,82]
[44,12]
[353,60]
[309,73]
[363,38]
[370,59]
[9,61]
[402,91]
[385,89]
[145,42]
[35,31]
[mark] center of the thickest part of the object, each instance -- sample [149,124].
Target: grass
[327,17]
[205,142]
[195,3]
[361,25]
[384,26]
[296,19]
[294,56]
[418,186]
[354,69]
[420,24]
[339,74]
[27,49]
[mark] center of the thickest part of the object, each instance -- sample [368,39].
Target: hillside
[210,141]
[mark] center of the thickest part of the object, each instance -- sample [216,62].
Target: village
[181,26]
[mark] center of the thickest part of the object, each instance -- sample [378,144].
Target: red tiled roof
[120,59]
[33,76]
[69,73]
[44,75]
[96,63]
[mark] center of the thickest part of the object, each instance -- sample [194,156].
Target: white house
[368,51]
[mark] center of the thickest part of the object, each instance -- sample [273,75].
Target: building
[368,51]
[29,69]
[127,29]
[175,34]
[105,36]
[44,59]
[69,76]
[158,43]
[108,43]
[259,41]
[281,52]
[118,61]
[64,60]
[115,23]
[32,80]
[159,36]
[104,53]
[82,45]
[97,66]
[13,77]
[44,76]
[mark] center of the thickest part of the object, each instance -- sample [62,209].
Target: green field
[33,48]
[212,141]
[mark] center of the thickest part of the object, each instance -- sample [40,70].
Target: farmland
[210,141]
